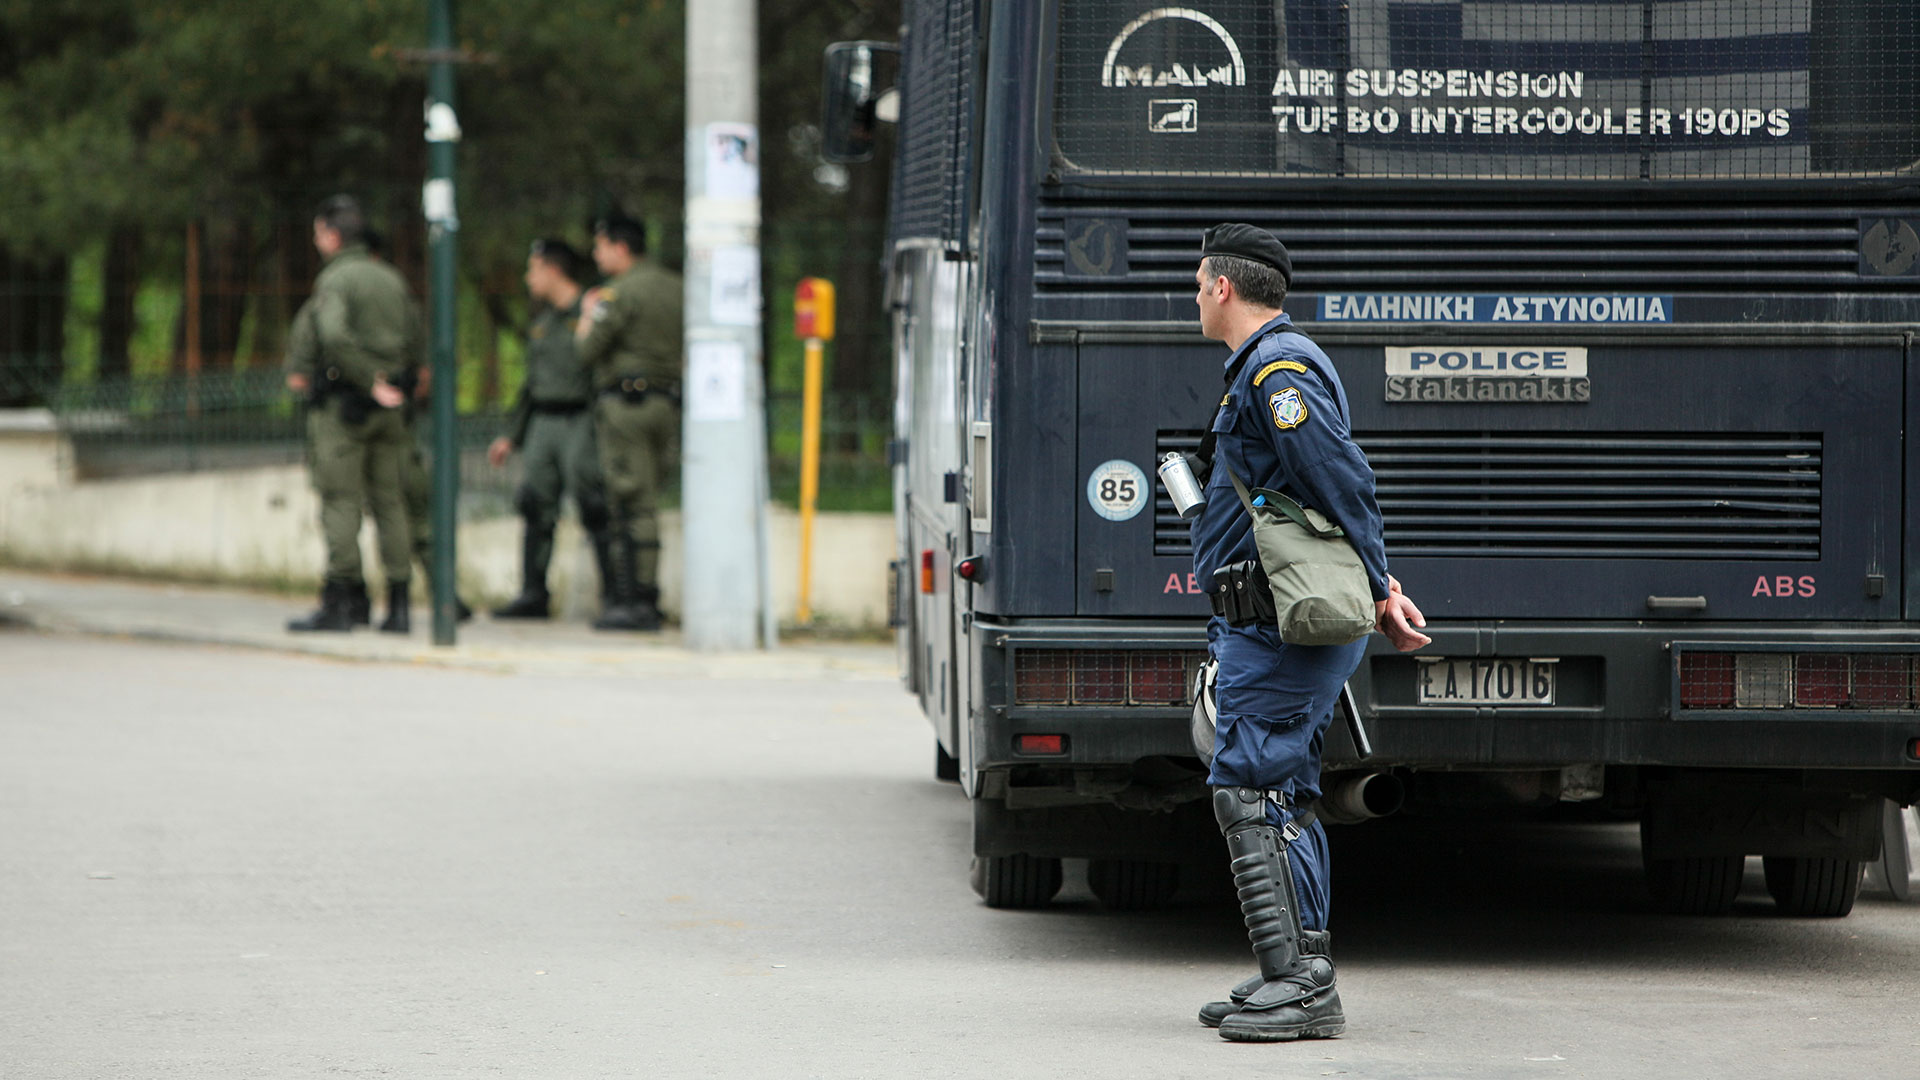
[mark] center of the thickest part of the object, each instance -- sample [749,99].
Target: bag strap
[1286,506]
[1210,437]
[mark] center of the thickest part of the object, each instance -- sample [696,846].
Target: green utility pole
[443,229]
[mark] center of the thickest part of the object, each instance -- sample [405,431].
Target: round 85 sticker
[1117,490]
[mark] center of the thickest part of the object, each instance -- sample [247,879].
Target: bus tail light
[1819,681]
[1104,676]
[1883,682]
[1810,680]
[1706,680]
[1099,677]
[926,571]
[1043,677]
[1158,678]
[1040,744]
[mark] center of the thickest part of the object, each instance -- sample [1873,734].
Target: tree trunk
[120,286]
[33,327]
[224,272]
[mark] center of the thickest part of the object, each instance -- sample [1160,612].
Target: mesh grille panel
[935,114]
[1511,89]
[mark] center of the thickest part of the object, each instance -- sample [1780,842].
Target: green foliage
[149,115]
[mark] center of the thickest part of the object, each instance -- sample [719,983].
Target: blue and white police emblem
[1288,410]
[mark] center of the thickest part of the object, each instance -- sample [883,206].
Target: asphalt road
[224,863]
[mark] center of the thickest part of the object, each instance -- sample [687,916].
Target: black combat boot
[633,607]
[536,550]
[1296,998]
[1308,1005]
[528,605]
[358,604]
[645,608]
[1312,943]
[603,562]
[399,618]
[334,615]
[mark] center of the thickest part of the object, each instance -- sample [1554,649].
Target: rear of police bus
[1624,297]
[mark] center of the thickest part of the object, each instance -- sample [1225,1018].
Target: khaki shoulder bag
[1320,590]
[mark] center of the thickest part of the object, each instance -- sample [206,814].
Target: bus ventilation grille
[1579,495]
[1670,247]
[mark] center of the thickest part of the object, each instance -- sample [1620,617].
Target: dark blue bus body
[1638,405]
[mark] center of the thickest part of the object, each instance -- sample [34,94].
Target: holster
[635,389]
[1239,594]
[355,405]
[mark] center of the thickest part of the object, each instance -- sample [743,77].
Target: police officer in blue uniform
[1283,425]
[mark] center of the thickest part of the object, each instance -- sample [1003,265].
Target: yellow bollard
[812,320]
[809,475]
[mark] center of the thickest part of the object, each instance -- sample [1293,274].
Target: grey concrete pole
[723,472]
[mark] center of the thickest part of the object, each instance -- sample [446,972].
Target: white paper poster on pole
[736,286]
[733,161]
[716,380]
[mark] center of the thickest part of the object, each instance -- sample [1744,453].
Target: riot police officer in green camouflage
[361,325]
[303,373]
[552,426]
[416,487]
[630,338]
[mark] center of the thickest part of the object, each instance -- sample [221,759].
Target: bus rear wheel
[1133,884]
[1016,881]
[1812,888]
[1695,884]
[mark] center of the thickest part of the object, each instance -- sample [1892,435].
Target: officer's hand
[297,382]
[386,395]
[1396,617]
[590,302]
[498,450]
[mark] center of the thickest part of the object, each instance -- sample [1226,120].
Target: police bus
[1624,296]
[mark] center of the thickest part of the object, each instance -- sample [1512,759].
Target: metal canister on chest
[1176,475]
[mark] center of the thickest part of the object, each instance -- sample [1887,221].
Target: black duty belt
[559,408]
[635,389]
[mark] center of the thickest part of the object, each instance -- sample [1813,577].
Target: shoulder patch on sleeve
[1279,365]
[1289,411]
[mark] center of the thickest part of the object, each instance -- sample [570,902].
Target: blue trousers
[1275,701]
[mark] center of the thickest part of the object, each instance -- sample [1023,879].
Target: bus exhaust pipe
[1363,797]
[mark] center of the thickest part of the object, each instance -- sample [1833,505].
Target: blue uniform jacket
[1284,425]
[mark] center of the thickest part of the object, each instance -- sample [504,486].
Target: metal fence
[143,426]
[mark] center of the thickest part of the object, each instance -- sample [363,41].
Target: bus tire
[1016,881]
[945,765]
[1695,884]
[1812,888]
[1133,884]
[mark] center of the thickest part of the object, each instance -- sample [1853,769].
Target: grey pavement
[221,862]
[212,615]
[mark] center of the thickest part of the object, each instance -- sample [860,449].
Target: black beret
[1247,242]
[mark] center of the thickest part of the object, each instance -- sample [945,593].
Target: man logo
[1097,247]
[1173,115]
[1197,71]
[1889,247]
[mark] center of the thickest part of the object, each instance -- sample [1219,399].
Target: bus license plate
[1487,681]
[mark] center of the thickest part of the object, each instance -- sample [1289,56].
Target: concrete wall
[33,452]
[261,527]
